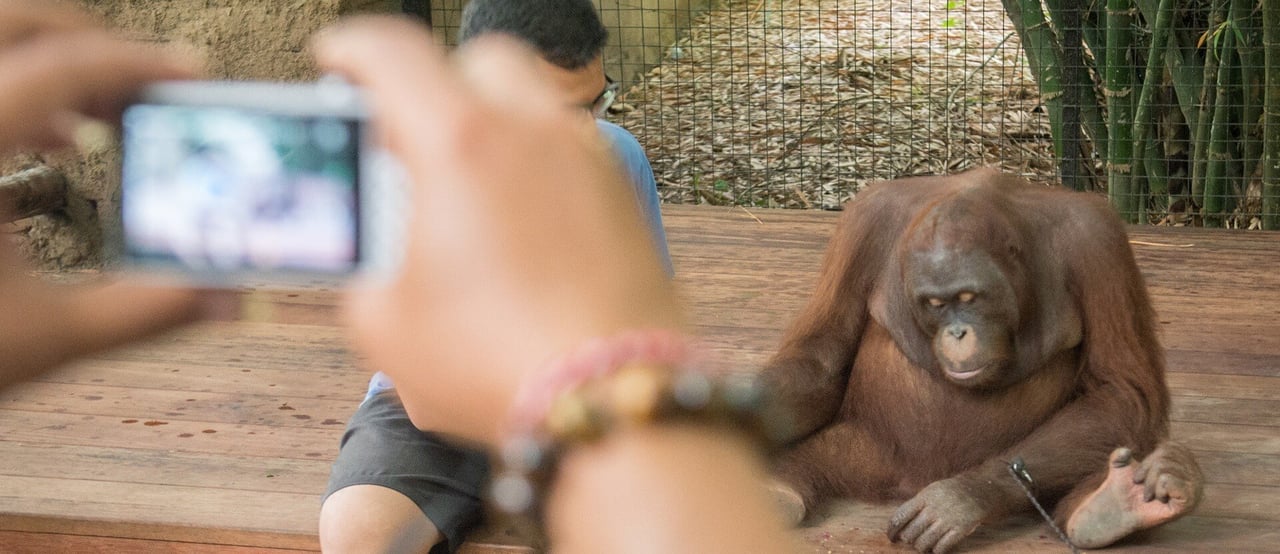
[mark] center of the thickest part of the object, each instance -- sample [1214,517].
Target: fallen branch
[32,192]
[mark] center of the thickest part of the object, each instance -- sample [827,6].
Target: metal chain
[1018,469]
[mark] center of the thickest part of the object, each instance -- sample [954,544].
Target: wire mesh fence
[802,103]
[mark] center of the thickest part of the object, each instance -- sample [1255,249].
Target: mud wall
[237,39]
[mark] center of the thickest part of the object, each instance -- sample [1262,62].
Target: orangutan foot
[790,503]
[1137,495]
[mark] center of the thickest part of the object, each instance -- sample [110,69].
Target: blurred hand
[524,240]
[56,67]
[43,325]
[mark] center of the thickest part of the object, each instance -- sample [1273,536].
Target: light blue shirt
[644,185]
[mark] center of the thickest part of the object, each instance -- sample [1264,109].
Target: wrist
[647,388]
[679,487]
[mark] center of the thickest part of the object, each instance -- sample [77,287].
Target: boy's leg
[374,519]
[394,488]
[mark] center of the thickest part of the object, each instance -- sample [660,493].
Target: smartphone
[231,182]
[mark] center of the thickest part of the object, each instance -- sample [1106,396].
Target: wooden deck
[218,439]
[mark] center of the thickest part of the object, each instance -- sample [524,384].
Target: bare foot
[1137,495]
[789,502]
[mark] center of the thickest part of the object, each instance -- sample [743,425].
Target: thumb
[105,317]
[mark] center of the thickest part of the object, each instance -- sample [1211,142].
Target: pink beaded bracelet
[634,378]
[595,359]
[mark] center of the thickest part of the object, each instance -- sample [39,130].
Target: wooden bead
[636,391]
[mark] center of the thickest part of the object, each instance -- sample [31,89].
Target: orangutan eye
[936,302]
[966,297]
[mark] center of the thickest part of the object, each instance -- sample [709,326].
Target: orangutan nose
[957,343]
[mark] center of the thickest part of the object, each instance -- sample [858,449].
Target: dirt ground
[801,103]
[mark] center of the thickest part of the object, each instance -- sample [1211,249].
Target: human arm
[666,489]
[56,68]
[513,257]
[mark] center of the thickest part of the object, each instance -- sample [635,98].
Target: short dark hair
[567,33]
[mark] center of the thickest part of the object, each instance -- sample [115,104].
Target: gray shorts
[382,447]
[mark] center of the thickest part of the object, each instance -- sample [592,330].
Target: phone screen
[230,189]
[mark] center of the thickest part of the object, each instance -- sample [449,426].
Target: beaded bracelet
[636,378]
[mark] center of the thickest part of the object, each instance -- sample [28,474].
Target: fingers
[442,110]
[114,315]
[1170,474]
[903,517]
[22,20]
[491,64]
[1163,485]
[922,534]
[1121,457]
[925,534]
[47,80]
[44,326]
[949,541]
[404,73]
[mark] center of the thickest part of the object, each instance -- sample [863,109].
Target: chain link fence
[802,103]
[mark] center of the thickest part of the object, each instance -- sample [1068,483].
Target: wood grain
[245,417]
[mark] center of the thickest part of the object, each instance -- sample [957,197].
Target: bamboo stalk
[1066,15]
[1175,147]
[1156,174]
[1094,28]
[1217,174]
[1185,66]
[1147,8]
[1142,123]
[1091,112]
[1271,117]
[1204,115]
[1252,74]
[1119,92]
[1043,58]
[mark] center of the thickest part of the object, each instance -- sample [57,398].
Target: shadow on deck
[219,439]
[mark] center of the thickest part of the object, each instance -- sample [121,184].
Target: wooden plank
[1247,439]
[1221,362]
[113,401]
[744,277]
[1231,411]
[1245,502]
[263,441]
[306,476]
[159,512]
[14,542]
[1239,468]
[1250,387]
[857,527]
[245,344]
[250,375]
